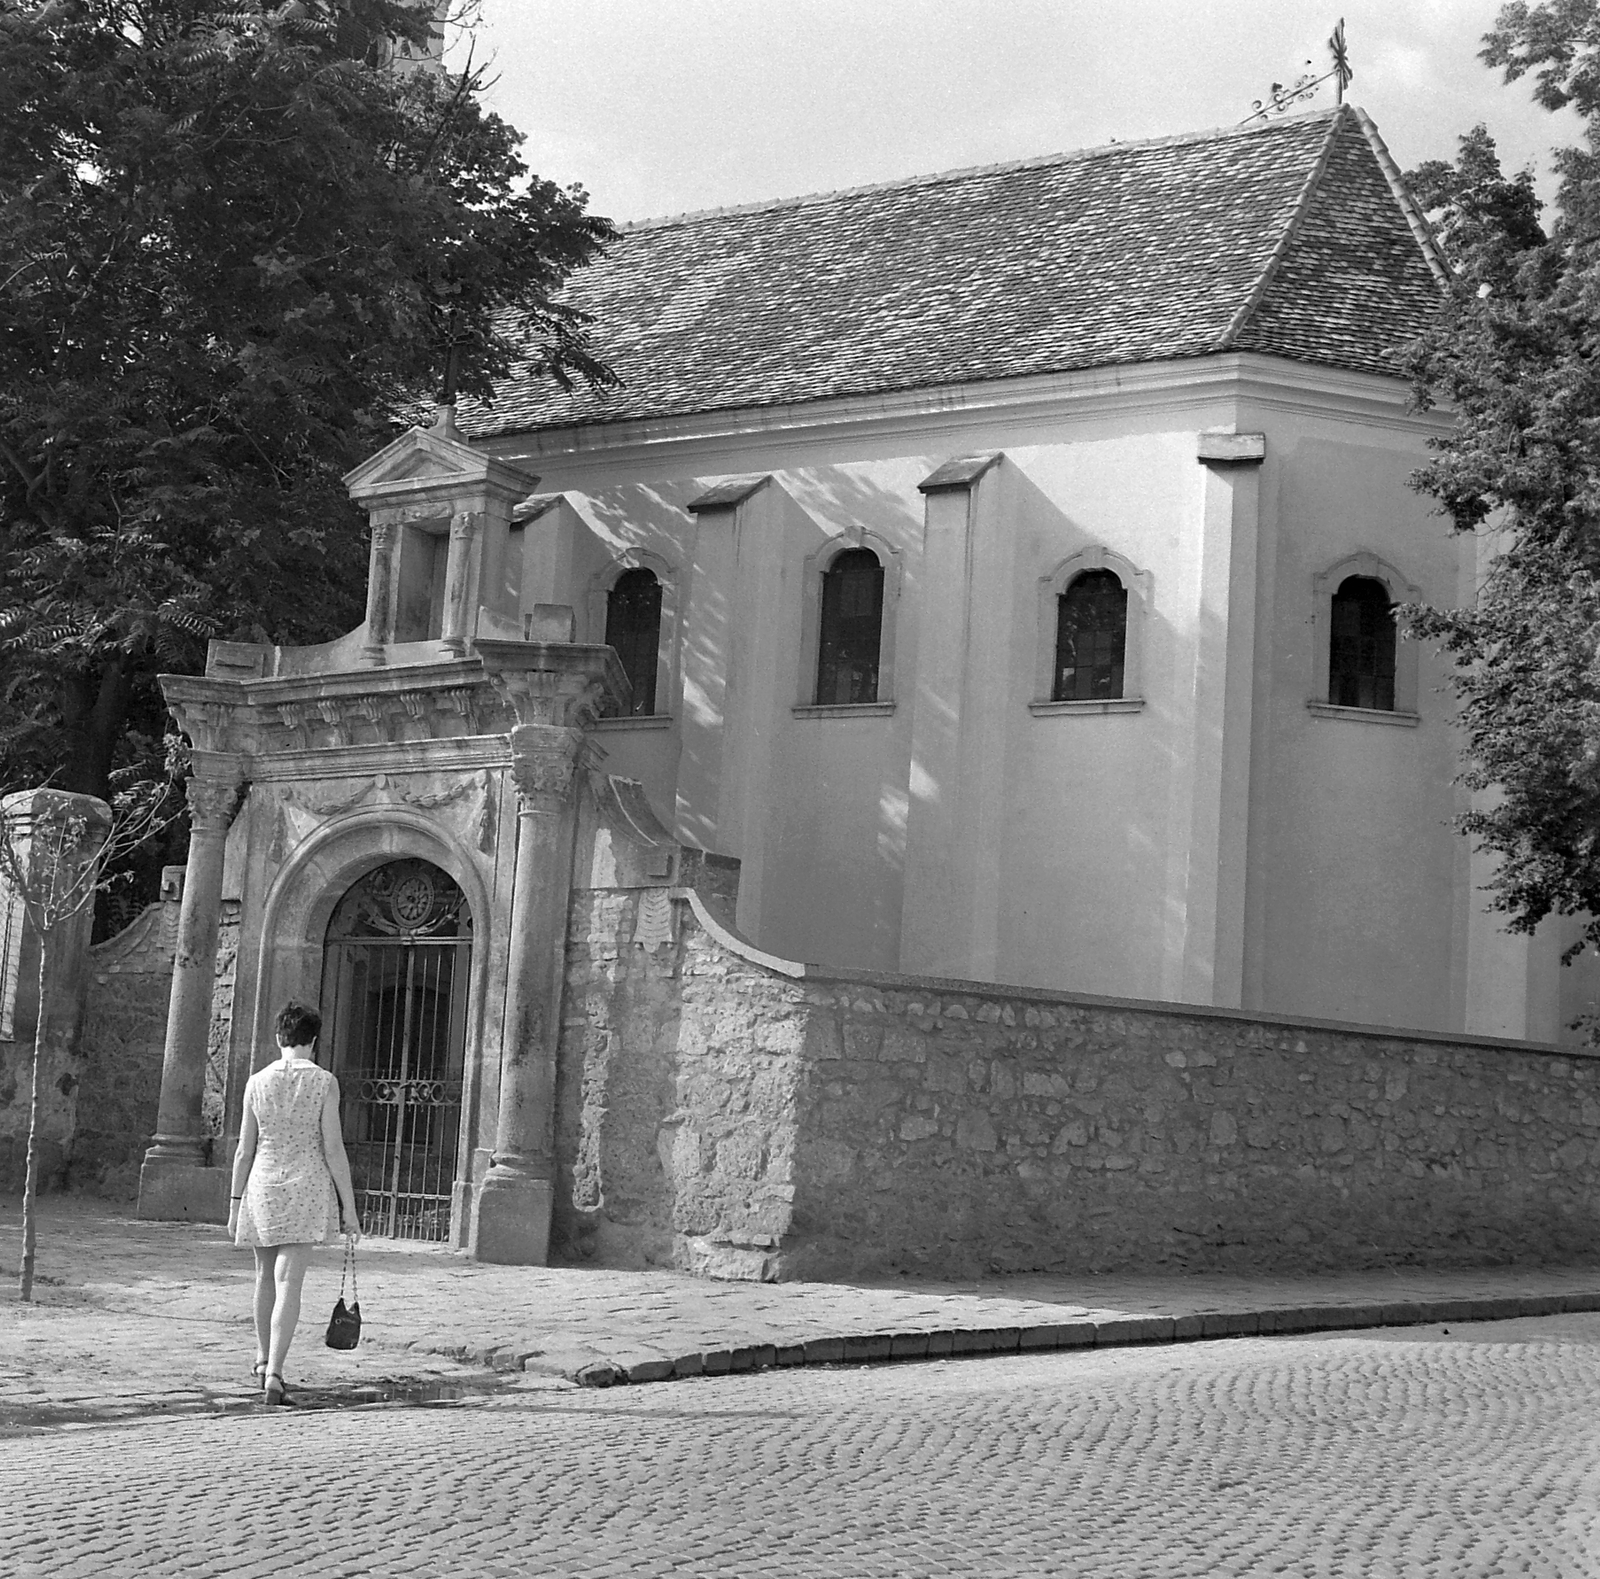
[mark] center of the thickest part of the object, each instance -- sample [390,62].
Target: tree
[56,850]
[1514,352]
[236,250]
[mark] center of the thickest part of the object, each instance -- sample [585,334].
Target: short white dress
[289,1197]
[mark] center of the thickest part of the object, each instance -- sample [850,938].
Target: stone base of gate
[511,1222]
[182,1192]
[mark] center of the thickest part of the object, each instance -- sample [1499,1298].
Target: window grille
[1091,638]
[1361,652]
[633,628]
[852,629]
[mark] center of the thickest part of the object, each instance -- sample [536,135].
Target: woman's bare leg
[289,1273]
[266,1295]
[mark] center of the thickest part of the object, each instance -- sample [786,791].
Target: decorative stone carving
[210,724]
[389,520]
[486,813]
[212,802]
[551,697]
[544,764]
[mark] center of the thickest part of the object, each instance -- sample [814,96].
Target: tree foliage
[1514,352]
[236,249]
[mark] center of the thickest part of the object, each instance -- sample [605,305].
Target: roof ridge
[1269,270]
[1251,128]
[1432,252]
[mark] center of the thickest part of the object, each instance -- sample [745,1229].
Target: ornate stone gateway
[448,734]
[395,981]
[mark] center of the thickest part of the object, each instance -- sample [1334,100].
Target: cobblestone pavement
[134,1317]
[1409,1454]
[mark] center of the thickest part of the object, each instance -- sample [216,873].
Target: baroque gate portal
[395,974]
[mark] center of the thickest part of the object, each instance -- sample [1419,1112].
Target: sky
[661,106]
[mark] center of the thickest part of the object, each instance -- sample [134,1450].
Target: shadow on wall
[824,852]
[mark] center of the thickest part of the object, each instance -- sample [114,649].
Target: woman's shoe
[274,1392]
[258,1373]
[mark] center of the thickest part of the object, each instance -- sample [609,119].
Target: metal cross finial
[1342,74]
[1284,95]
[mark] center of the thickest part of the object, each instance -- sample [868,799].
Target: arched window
[851,629]
[1091,638]
[1361,646]
[633,628]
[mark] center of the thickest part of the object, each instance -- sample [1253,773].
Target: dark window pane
[852,628]
[633,627]
[1361,646]
[1091,636]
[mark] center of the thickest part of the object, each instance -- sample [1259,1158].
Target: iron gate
[395,975]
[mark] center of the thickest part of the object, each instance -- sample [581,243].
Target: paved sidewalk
[133,1317]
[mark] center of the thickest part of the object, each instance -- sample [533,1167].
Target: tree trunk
[30,1179]
[95,711]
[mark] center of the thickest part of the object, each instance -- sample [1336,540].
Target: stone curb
[590,1368]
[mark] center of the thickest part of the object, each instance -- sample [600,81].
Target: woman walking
[291,1184]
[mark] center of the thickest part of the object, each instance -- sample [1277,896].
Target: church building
[1003,563]
[986,578]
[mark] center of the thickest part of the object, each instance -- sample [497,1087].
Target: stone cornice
[1148,387]
[303,713]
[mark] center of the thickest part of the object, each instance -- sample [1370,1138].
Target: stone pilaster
[511,1216]
[176,1181]
[556,690]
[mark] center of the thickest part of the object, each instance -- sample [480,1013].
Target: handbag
[344,1326]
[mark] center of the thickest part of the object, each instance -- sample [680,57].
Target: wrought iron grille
[395,977]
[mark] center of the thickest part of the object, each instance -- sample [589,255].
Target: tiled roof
[1287,236]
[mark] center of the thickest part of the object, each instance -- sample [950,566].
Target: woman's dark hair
[296,1025]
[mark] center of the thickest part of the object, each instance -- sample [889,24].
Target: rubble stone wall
[962,1130]
[124,1034]
[746,1119]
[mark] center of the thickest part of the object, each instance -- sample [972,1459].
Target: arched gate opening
[395,980]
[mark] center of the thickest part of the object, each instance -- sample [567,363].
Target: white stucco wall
[1223,844]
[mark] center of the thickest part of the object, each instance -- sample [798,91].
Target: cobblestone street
[1389,1452]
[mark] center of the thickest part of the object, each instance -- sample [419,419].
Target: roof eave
[1080,393]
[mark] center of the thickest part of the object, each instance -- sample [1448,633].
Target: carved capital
[545,763]
[384,534]
[465,524]
[212,803]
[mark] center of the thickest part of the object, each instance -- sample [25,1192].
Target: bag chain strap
[349,1272]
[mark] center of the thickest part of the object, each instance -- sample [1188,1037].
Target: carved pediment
[426,459]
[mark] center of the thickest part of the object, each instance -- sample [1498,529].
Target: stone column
[380,596]
[511,1215]
[459,602]
[175,1181]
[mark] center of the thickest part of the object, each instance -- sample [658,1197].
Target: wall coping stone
[890,982]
